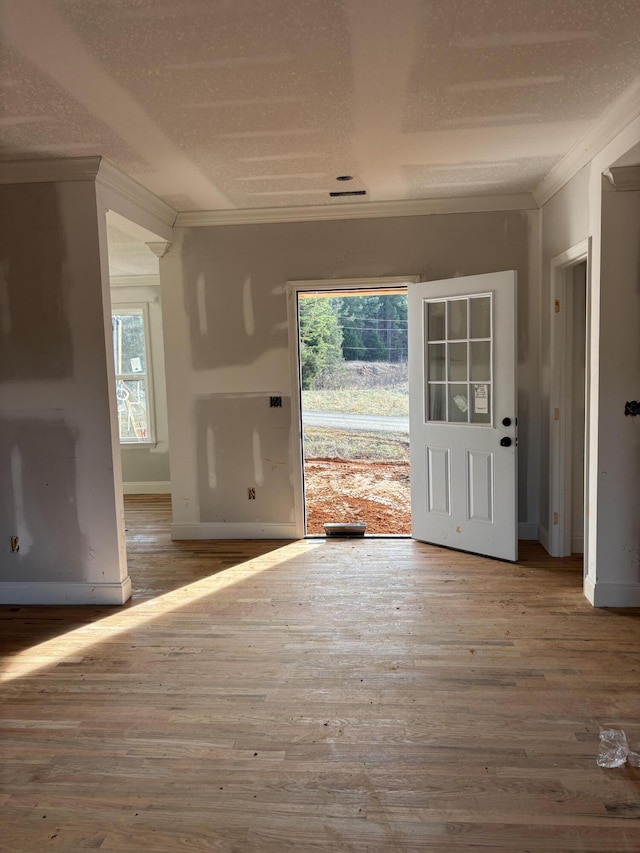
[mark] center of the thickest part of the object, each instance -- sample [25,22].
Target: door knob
[505,441]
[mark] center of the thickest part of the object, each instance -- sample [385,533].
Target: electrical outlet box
[15,544]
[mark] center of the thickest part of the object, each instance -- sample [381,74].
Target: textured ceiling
[221,104]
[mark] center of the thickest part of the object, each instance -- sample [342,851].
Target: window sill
[133,445]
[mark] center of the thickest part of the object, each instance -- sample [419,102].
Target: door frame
[293,288]
[560,398]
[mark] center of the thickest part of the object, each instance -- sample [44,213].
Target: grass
[363,401]
[320,442]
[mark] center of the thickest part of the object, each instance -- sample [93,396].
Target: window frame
[138,309]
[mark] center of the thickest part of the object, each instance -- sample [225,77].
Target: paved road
[363,423]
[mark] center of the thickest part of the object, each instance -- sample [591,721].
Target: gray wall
[226,336]
[56,431]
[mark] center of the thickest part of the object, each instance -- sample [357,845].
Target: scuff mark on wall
[211,458]
[247,308]
[201,299]
[17,481]
[257,459]
[5,306]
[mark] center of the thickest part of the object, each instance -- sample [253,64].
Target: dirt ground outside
[377,493]
[358,474]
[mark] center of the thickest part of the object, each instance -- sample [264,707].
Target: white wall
[145,468]
[227,347]
[57,489]
[581,210]
[618,470]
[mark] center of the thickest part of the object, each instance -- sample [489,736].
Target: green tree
[374,347]
[374,328]
[320,337]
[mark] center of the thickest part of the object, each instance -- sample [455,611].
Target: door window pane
[480,311]
[436,324]
[481,360]
[437,403]
[457,311]
[436,356]
[481,403]
[458,403]
[457,362]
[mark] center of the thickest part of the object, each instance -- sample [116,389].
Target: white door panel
[462,379]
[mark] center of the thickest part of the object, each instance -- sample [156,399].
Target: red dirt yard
[343,491]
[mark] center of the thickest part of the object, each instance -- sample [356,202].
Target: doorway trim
[293,288]
[560,406]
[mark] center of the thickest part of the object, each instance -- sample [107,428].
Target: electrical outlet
[252,494]
[15,544]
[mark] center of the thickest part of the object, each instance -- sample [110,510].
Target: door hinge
[556,306]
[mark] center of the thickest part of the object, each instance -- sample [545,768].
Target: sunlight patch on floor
[74,644]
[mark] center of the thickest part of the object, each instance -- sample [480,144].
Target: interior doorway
[569,428]
[353,402]
[577,297]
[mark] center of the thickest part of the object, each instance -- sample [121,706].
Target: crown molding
[624,178]
[357,210]
[49,171]
[112,178]
[613,121]
[97,169]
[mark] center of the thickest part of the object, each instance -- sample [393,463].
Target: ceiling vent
[343,193]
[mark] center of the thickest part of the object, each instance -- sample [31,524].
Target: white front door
[463,419]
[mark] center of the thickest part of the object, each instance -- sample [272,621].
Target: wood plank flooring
[366,696]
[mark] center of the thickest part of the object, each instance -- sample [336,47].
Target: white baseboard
[544,538]
[612,594]
[237,530]
[53,592]
[153,487]
[528,530]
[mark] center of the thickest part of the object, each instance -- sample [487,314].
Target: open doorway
[138,353]
[351,365]
[569,402]
[577,299]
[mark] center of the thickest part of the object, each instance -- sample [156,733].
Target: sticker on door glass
[481,399]
[461,402]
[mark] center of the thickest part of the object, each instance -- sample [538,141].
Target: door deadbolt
[506,422]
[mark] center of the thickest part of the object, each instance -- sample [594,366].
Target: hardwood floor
[339,695]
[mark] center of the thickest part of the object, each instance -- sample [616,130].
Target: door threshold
[359,538]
